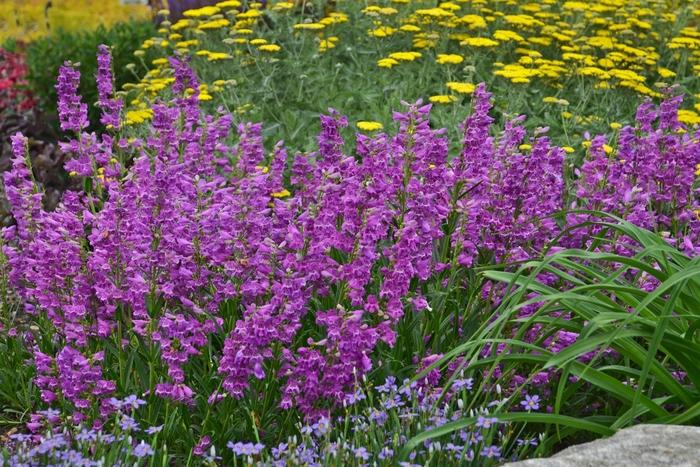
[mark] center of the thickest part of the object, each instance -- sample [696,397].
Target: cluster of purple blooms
[186,219]
[649,181]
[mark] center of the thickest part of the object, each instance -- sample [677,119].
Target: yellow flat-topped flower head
[387,62]
[473,21]
[327,43]
[282,6]
[201,12]
[505,36]
[309,26]
[462,88]
[688,117]
[138,116]
[216,56]
[366,125]
[215,24]
[228,4]
[555,100]
[409,28]
[187,44]
[434,13]
[449,59]
[666,73]
[479,42]
[405,56]
[383,31]
[270,48]
[250,14]
[442,99]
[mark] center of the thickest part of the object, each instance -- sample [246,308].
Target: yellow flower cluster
[237,24]
[30,19]
[606,43]
[637,46]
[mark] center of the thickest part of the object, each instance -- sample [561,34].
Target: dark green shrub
[46,55]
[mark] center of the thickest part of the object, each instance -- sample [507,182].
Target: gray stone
[638,446]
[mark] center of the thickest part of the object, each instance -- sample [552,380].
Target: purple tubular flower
[111,107]
[201,447]
[72,112]
[25,205]
[186,82]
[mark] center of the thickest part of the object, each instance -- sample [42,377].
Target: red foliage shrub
[14,92]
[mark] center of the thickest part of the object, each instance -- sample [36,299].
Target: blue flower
[133,401]
[128,424]
[321,427]
[485,422]
[152,430]
[86,435]
[407,388]
[245,449]
[378,416]
[531,402]
[361,453]
[306,455]
[393,403]
[351,399]
[491,451]
[459,384]
[388,386]
[523,442]
[107,438]
[386,453]
[143,450]
[332,449]
[279,450]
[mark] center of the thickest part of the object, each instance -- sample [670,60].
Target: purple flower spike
[72,112]
[110,106]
